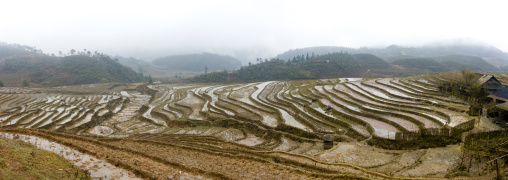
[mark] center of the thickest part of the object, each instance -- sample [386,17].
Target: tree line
[70,70]
[305,66]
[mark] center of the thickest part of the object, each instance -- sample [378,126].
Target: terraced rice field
[279,120]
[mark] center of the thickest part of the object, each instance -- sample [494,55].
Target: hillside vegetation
[489,54]
[20,160]
[198,62]
[23,67]
[300,67]
[345,64]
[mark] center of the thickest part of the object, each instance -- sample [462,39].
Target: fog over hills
[247,30]
[488,53]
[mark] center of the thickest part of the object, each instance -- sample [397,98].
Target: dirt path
[486,124]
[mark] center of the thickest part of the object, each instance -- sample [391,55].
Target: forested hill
[44,70]
[300,67]
[197,62]
[7,50]
[490,54]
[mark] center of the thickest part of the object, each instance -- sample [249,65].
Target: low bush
[424,142]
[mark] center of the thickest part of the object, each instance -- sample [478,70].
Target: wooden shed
[489,83]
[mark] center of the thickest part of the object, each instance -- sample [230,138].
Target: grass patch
[21,160]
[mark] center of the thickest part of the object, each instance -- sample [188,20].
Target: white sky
[270,27]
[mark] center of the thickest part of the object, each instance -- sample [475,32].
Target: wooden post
[498,177]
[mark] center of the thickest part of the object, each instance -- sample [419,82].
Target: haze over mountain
[457,49]
[198,62]
[248,29]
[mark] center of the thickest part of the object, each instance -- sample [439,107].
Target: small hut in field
[328,141]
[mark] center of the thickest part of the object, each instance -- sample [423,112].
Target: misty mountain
[44,70]
[329,65]
[444,64]
[197,62]
[490,54]
[7,50]
[135,64]
[469,61]
[344,64]
[421,64]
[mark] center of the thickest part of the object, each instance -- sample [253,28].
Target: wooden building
[489,83]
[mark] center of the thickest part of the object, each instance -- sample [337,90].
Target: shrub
[474,111]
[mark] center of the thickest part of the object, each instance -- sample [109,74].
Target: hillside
[421,64]
[7,50]
[469,61]
[345,64]
[489,54]
[24,67]
[197,62]
[135,64]
[301,67]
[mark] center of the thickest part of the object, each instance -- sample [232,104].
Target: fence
[453,131]
[480,137]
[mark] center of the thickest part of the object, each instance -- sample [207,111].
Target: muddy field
[283,121]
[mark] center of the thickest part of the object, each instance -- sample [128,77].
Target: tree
[1,84]
[206,69]
[150,81]
[26,83]
[60,53]
[250,63]
[468,76]
[72,51]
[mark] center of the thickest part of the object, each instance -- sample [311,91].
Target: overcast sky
[267,28]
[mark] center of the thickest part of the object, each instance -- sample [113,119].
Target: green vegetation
[463,86]
[69,70]
[20,160]
[88,70]
[26,83]
[339,62]
[300,67]
[491,146]
[196,62]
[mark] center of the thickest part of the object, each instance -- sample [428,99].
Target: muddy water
[98,169]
